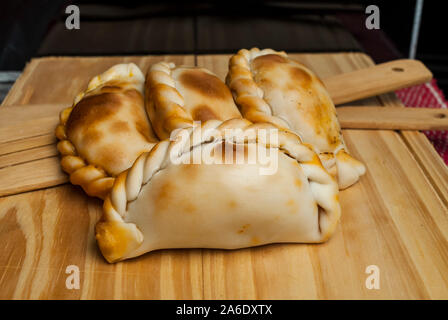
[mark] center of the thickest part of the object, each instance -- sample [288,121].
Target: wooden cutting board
[395,218]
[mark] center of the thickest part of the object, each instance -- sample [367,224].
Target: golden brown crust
[204,83]
[105,130]
[93,180]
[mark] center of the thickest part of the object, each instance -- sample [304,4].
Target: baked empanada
[178,96]
[105,130]
[166,200]
[270,87]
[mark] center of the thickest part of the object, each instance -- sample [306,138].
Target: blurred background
[31,28]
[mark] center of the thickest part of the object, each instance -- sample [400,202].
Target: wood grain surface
[396,218]
[375,117]
[375,80]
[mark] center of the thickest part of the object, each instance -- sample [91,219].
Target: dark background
[31,28]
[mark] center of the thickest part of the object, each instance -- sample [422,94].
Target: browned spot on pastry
[110,88]
[205,84]
[232,204]
[326,125]
[189,207]
[142,124]
[315,160]
[143,128]
[301,76]
[191,170]
[265,83]
[112,237]
[116,83]
[110,157]
[243,228]
[203,113]
[332,139]
[163,196]
[290,202]
[93,109]
[269,59]
[298,182]
[119,126]
[309,146]
[254,241]
[295,163]
[165,190]
[134,95]
[92,137]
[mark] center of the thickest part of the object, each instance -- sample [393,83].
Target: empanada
[165,201]
[270,87]
[105,130]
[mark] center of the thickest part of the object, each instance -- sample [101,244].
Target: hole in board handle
[440,116]
[397,69]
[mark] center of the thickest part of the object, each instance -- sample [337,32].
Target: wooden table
[396,217]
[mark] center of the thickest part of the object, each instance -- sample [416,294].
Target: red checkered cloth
[428,95]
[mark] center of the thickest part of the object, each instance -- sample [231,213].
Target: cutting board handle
[379,79]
